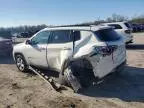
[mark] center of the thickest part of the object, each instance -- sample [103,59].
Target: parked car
[88,52]
[5,46]
[24,34]
[138,27]
[134,27]
[124,29]
[141,27]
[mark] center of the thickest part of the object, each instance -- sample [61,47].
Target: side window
[41,38]
[116,26]
[60,36]
[76,35]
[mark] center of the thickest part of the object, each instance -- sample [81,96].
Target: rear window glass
[115,26]
[127,25]
[107,35]
[60,36]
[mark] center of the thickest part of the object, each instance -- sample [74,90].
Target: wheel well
[21,55]
[78,63]
[18,54]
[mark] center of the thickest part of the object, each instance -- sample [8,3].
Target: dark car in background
[141,27]
[134,27]
[5,46]
[138,27]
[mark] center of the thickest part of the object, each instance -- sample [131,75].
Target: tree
[116,18]
[7,32]
[138,20]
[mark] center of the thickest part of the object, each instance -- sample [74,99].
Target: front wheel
[21,63]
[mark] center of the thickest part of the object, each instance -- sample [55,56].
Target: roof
[116,22]
[88,28]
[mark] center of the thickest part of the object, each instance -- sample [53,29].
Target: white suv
[90,51]
[124,29]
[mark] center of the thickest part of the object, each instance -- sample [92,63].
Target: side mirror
[28,42]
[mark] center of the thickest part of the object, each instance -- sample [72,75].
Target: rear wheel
[21,63]
[83,75]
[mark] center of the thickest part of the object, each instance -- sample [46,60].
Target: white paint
[58,53]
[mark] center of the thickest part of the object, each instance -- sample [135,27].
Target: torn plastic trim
[47,79]
[72,80]
[76,74]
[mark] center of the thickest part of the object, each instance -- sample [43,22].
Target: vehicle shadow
[135,47]
[6,59]
[127,86]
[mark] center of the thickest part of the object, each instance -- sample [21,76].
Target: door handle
[42,48]
[65,48]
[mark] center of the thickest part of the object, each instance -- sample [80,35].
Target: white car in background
[88,52]
[124,29]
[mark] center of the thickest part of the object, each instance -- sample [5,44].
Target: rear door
[60,47]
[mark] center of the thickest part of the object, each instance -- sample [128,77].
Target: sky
[58,12]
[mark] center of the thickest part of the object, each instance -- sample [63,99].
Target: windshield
[107,35]
[116,26]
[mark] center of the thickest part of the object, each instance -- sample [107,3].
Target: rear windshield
[107,35]
[127,25]
[115,26]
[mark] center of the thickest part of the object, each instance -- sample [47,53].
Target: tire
[21,63]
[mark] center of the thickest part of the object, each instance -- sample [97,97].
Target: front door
[36,50]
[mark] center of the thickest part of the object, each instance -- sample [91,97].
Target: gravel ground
[25,90]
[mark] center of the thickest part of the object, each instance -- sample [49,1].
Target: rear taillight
[127,31]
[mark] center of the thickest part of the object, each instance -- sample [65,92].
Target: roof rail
[82,25]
